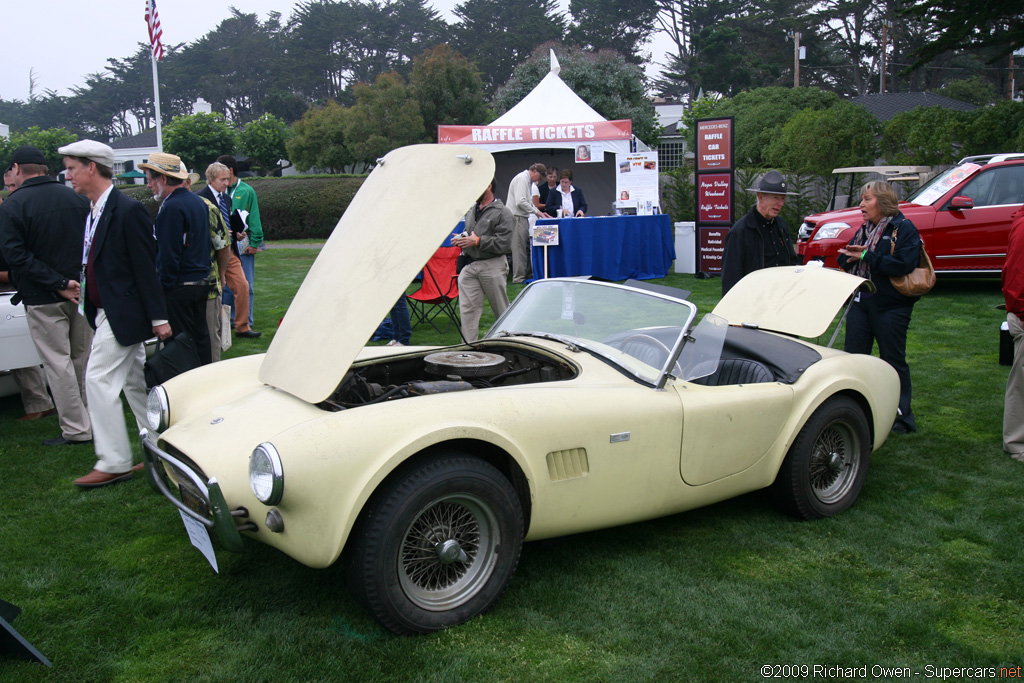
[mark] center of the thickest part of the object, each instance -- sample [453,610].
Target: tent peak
[555,68]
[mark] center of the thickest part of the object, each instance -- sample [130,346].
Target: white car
[16,347]
[587,405]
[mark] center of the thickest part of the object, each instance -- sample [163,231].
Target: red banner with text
[540,134]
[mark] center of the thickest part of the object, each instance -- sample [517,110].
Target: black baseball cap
[27,154]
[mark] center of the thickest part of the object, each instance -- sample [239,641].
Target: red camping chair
[438,291]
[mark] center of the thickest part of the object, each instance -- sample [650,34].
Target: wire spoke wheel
[834,462]
[437,544]
[825,468]
[448,552]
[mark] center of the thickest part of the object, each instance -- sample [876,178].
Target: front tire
[437,545]
[825,468]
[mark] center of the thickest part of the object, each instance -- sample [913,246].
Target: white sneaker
[394,342]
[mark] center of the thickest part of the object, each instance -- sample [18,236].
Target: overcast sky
[64,41]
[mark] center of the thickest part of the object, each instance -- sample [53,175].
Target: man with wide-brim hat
[761,238]
[182,248]
[166,164]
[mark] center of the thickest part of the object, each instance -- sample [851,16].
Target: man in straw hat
[182,248]
[761,238]
[122,300]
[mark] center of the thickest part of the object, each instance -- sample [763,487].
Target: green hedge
[297,207]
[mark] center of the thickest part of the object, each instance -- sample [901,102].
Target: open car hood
[403,211]
[796,300]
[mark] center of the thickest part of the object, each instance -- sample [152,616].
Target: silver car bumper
[194,495]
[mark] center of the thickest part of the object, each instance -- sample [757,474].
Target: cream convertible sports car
[587,405]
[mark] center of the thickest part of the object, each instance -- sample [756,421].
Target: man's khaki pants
[477,281]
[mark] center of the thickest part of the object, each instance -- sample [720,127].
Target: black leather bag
[462,261]
[171,359]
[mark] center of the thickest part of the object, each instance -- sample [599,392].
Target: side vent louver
[569,464]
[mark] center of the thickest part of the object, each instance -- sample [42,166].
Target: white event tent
[547,126]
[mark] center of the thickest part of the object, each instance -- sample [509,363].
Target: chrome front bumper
[201,499]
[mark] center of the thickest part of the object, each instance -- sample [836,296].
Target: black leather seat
[645,352]
[737,371]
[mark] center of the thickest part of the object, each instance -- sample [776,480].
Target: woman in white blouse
[566,200]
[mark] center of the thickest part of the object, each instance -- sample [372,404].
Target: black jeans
[186,312]
[867,324]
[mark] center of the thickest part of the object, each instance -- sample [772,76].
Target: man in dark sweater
[182,248]
[41,232]
[761,238]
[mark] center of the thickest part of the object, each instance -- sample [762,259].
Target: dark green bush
[679,194]
[303,208]
[297,207]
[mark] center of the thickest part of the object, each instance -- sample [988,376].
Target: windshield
[942,183]
[640,332]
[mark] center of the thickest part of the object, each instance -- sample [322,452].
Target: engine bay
[443,371]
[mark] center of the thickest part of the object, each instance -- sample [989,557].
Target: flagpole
[156,52]
[156,99]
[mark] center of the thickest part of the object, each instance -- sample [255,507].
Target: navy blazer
[554,202]
[124,265]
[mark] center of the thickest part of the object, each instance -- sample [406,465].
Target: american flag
[155,32]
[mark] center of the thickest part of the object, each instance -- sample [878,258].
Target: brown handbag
[918,281]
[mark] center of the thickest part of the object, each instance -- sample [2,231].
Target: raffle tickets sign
[716,181]
[540,134]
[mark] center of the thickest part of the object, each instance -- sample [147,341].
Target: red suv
[963,215]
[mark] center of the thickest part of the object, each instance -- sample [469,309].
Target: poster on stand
[716,179]
[545,235]
[636,183]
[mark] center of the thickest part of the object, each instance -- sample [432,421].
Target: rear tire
[437,545]
[825,468]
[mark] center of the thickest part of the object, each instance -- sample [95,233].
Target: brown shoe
[96,479]
[139,468]
[28,417]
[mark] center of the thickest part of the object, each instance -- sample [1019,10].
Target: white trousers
[112,369]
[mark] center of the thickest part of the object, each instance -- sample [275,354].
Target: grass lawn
[926,570]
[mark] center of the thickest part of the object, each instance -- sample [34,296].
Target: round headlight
[830,231]
[266,476]
[158,412]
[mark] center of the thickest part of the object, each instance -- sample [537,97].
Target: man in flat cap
[182,248]
[41,239]
[761,238]
[122,300]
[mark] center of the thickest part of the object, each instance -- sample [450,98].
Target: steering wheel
[647,339]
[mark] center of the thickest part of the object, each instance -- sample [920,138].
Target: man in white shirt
[123,301]
[520,202]
[218,177]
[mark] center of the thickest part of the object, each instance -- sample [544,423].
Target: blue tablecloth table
[609,247]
